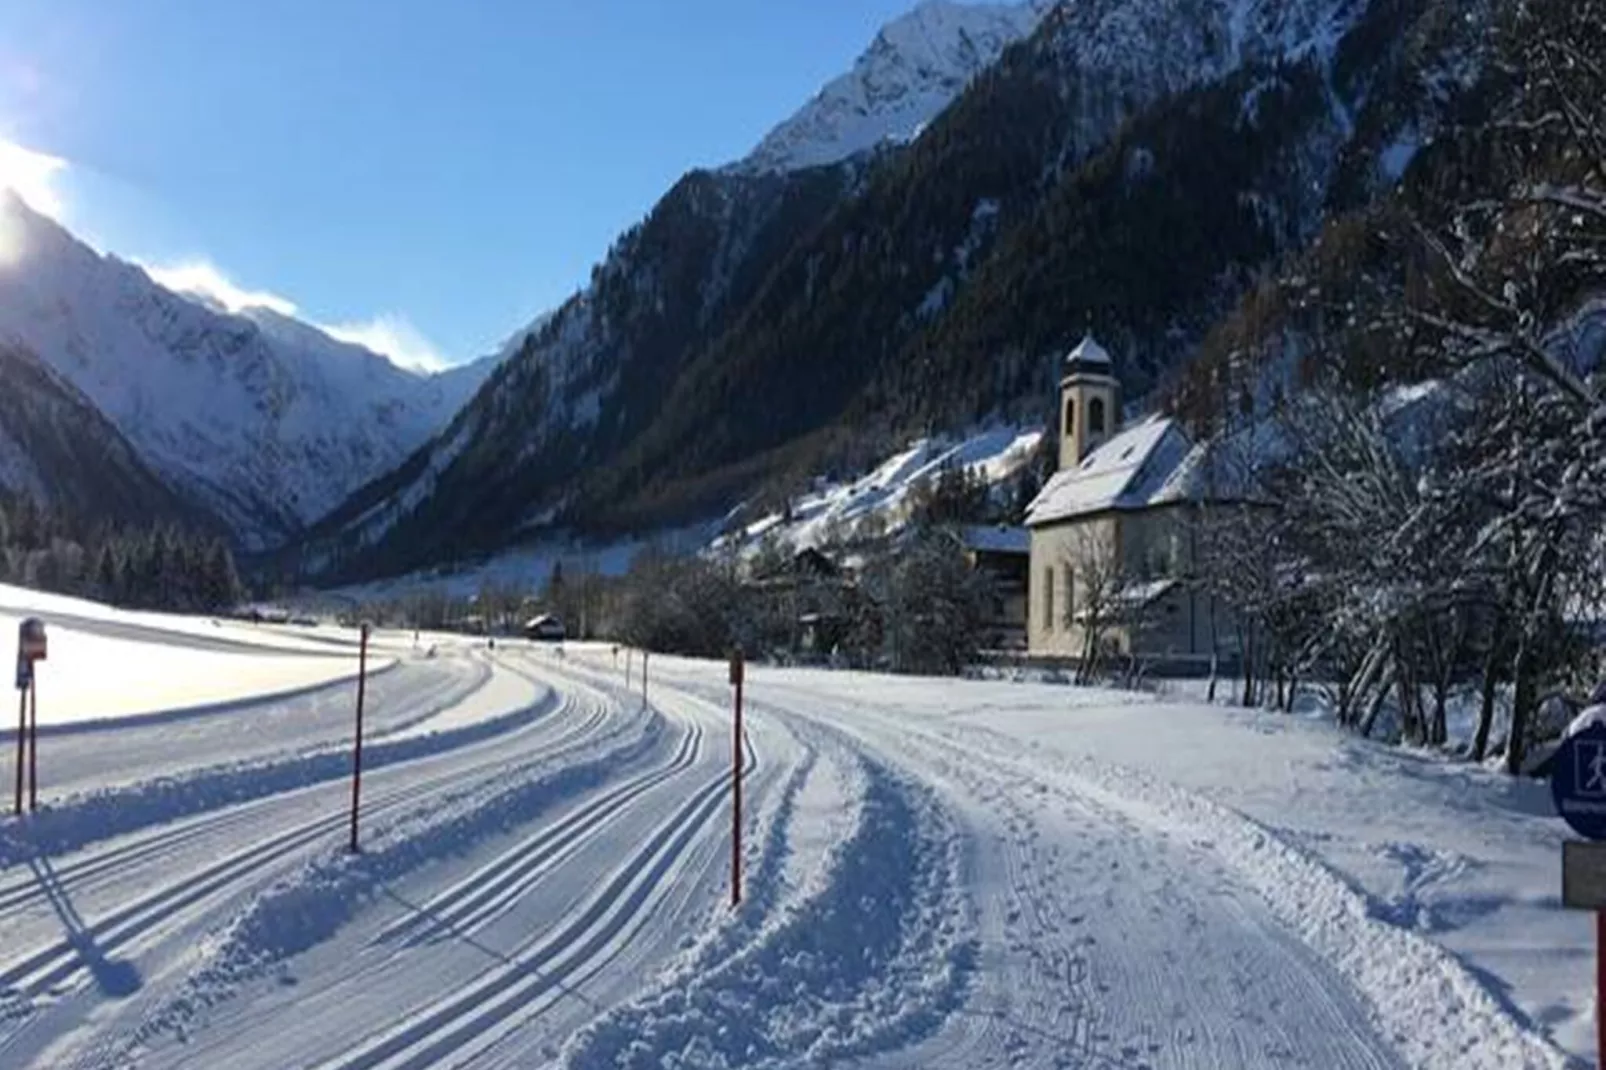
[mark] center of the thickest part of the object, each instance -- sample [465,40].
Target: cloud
[390,335]
[203,279]
[394,336]
[32,176]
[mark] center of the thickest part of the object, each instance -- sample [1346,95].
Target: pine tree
[108,574]
[223,588]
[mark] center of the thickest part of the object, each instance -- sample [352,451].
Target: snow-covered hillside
[913,69]
[880,500]
[264,420]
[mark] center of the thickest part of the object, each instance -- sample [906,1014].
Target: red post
[738,677]
[33,744]
[629,656]
[736,802]
[356,759]
[22,737]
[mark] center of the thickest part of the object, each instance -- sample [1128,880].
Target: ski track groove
[39,972]
[487,894]
[470,1016]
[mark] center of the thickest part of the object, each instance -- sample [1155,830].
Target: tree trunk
[1375,706]
[1491,682]
[1521,706]
[1249,666]
[1349,711]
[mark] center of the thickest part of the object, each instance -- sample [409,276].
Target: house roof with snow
[996,539]
[1149,464]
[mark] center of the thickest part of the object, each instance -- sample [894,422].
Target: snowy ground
[111,664]
[939,873]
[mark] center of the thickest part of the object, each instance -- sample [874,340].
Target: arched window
[1070,418]
[1095,416]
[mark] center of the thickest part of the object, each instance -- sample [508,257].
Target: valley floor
[938,873]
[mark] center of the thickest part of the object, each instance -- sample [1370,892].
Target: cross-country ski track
[544,881]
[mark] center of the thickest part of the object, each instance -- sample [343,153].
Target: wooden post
[22,738]
[33,744]
[1600,987]
[356,757]
[738,675]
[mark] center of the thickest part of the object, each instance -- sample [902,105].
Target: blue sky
[448,168]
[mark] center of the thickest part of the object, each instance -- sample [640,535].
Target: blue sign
[1578,782]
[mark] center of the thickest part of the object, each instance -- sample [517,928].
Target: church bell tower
[1089,402]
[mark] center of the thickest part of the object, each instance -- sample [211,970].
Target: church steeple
[1089,402]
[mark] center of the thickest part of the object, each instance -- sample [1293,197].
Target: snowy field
[938,874]
[111,664]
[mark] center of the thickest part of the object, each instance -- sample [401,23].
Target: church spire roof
[1089,357]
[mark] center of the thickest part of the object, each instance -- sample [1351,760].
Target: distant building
[1113,543]
[546,628]
[1002,554]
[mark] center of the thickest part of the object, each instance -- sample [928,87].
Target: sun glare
[30,175]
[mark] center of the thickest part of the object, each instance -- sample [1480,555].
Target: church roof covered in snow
[1151,463]
[1088,356]
[1143,466]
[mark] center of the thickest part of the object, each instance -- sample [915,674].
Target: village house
[1002,554]
[1113,533]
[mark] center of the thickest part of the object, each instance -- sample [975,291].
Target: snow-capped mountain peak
[263,420]
[914,68]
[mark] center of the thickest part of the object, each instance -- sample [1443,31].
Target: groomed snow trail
[543,882]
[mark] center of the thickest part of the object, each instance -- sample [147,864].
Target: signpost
[31,648]
[1578,786]
[738,676]
[643,677]
[356,758]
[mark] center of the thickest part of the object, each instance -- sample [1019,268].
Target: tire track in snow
[1065,985]
[1392,968]
[875,955]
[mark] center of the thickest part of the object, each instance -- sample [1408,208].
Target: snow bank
[89,678]
[872,956]
[93,816]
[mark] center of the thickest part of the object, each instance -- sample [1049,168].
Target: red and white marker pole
[356,757]
[738,675]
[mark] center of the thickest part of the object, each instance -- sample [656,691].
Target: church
[1114,536]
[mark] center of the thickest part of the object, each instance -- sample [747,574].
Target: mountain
[257,419]
[56,446]
[912,70]
[1130,165]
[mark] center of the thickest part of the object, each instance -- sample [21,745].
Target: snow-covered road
[939,874]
